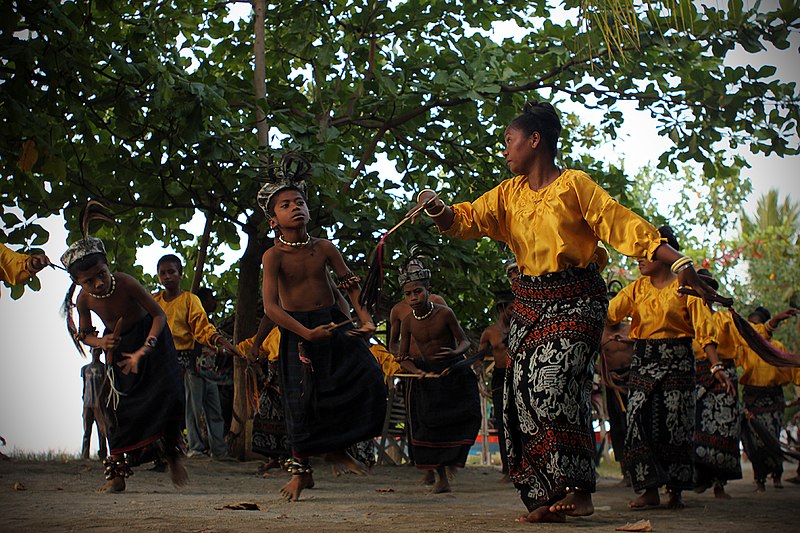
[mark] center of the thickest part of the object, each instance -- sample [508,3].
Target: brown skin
[35,263]
[399,311]
[296,279]
[439,337]
[493,336]
[130,302]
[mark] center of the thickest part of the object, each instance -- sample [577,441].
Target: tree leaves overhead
[148,107]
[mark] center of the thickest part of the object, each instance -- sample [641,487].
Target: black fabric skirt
[444,414]
[145,410]
[337,400]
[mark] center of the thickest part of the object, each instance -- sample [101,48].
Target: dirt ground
[59,496]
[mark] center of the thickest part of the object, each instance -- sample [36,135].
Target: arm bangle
[424,191]
[436,215]
[769,327]
[680,264]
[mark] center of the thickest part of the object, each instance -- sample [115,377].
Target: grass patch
[60,456]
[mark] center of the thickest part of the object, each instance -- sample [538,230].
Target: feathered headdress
[291,173]
[88,245]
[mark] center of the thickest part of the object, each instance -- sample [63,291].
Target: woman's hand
[689,277]
[36,262]
[426,200]
[722,377]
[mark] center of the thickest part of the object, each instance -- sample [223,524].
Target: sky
[40,383]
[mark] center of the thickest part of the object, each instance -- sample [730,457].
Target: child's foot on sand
[291,491]
[675,500]
[647,500]
[577,503]
[344,459]
[115,484]
[442,484]
[542,514]
[177,472]
[719,492]
[428,478]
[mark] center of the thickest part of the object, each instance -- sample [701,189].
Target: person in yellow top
[717,458]
[762,394]
[552,219]
[661,402]
[16,268]
[190,328]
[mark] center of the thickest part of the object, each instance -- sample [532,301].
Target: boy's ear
[273,223]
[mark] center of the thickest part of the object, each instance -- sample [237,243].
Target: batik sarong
[716,436]
[660,437]
[444,415]
[269,424]
[765,406]
[554,338]
[145,409]
[498,389]
[335,399]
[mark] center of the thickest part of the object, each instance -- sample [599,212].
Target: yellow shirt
[12,266]
[187,320]
[388,365]
[728,338]
[662,313]
[556,227]
[270,346]
[755,371]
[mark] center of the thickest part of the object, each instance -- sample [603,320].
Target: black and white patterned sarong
[716,436]
[764,406]
[661,406]
[554,339]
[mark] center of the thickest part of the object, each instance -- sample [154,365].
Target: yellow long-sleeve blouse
[12,266]
[759,373]
[187,320]
[662,313]
[556,227]
[388,364]
[270,346]
[728,338]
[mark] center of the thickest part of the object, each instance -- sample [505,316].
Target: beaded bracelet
[716,368]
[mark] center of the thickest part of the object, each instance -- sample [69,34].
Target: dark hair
[204,292]
[171,258]
[762,312]
[708,278]
[85,263]
[667,232]
[540,117]
[611,288]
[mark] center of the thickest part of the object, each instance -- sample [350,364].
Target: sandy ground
[59,496]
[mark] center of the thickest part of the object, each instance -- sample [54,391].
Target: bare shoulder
[126,281]
[444,311]
[436,299]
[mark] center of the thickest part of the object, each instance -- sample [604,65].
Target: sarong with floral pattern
[553,342]
[661,405]
[765,405]
[716,435]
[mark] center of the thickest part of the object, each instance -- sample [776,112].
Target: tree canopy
[149,107]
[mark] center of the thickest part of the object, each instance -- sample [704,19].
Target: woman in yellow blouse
[762,393]
[661,381]
[552,219]
[717,458]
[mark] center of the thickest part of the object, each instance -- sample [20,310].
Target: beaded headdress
[290,173]
[414,275]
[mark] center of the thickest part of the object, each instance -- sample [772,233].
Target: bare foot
[451,472]
[542,514]
[115,484]
[291,491]
[346,460]
[719,493]
[177,472]
[647,500]
[505,479]
[574,504]
[428,478]
[700,489]
[442,481]
[675,501]
[760,487]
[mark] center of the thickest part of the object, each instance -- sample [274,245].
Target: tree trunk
[246,325]
[202,252]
